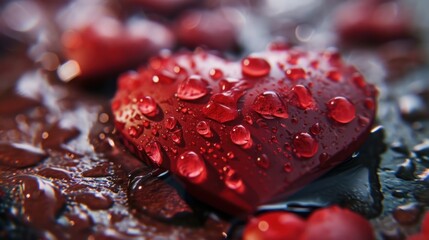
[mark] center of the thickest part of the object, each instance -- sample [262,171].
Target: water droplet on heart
[341,110]
[269,105]
[305,146]
[170,123]
[263,161]
[232,180]
[295,74]
[164,76]
[255,67]
[323,158]
[358,80]
[176,136]
[287,167]
[303,97]
[148,106]
[216,73]
[222,107]
[315,129]
[190,165]
[240,135]
[369,103]
[248,119]
[134,132]
[334,75]
[230,155]
[192,88]
[153,151]
[203,128]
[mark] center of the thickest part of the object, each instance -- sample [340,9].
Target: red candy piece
[239,137]
[274,226]
[105,45]
[335,223]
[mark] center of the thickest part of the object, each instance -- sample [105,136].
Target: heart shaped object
[105,45]
[242,134]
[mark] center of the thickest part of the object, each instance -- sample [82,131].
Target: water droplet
[287,167]
[296,74]
[334,75]
[303,97]
[240,135]
[263,161]
[248,119]
[315,129]
[255,67]
[148,106]
[323,158]
[269,105]
[170,123]
[305,146]
[216,73]
[190,165]
[230,155]
[232,180]
[153,151]
[358,80]
[341,110]
[222,107]
[164,76]
[192,88]
[369,103]
[176,136]
[203,128]
[134,132]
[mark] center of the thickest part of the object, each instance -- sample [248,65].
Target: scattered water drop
[369,103]
[222,107]
[295,74]
[255,67]
[287,167]
[303,97]
[341,110]
[240,135]
[192,88]
[263,161]
[232,180]
[248,119]
[170,123]
[153,151]
[305,146]
[203,128]
[176,136]
[334,75]
[315,129]
[134,132]
[216,73]
[190,165]
[269,105]
[148,106]
[358,80]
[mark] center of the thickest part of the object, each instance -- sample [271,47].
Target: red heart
[105,45]
[241,134]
